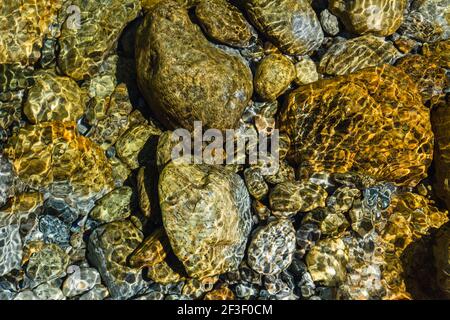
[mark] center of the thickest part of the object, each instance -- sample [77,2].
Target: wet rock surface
[381,86]
[204,85]
[215,211]
[93,207]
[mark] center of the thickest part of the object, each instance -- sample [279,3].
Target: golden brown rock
[223,293]
[23,25]
[429,77]
[371,122]
[438,52]
[410,217]
[53,153]
[224,23]
[273,76]
[292,25]
[183,77]
[379,17]
[355,54]
[54,98]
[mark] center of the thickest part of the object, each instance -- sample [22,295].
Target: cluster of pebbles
[92,207]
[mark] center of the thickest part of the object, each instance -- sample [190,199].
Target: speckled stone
[352,55]
[203,206]
[108,249]
[48,291]
[54,98]
[329,22]
[330,136]
[114,206]
[378,17]
[306,71]
[7,178]
[184,77]
[83,47]
[272,247]
[255,183]
[292,25]
[224,23]
[273,76]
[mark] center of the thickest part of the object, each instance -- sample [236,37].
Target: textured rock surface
[185,78]
[273,76]
[440,118]
[48,263]
[151,251]
[108,249]
[291,25]
[79,281]
[116,205]
[134,143]
[327,260]
[54,98]
[332,130]
[209,225]
[427,20]
[329,22]
[306,71]
[292,197]
[83,47]
[379,17]
[224,23]
[53,156]
[272,247]
[23,25]
[355,54]
[430,78]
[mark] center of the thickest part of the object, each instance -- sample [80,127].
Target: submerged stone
[292,25]
[206,214]
[184,77]
[371,122]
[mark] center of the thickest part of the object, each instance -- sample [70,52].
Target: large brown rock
[371,122]
[206,214]
[185,78]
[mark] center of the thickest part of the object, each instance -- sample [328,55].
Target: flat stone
[114,206]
